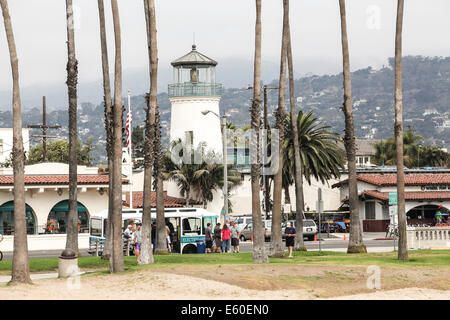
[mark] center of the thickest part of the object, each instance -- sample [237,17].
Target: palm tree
[414,153]
[182,173]
[276,249]
[259,251]
[402,242]
[297,172]
[20,265]
[356,244]
[116,263]
[320,155]
[72,79]
[161,247]
[108,108]
[146,256]
[209,177]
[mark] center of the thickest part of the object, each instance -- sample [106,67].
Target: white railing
[428,237]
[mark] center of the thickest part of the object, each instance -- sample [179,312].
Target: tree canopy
[58,151]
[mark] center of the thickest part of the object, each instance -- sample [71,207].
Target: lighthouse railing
[190,89]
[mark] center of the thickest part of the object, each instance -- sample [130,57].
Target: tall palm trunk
[146,256]
[298,175]
[356,244]
[108,109]
[161,244]
[116,263]
[20,265]
[402,242]
[72,79]
[259,250]
[276,247]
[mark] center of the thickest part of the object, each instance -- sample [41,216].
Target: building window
[7,219]
[370,210]
[57,218]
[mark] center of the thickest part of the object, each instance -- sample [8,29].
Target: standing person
[235,237]
[171,228]
[208,238]
[128,233]
[438,215]
[218,237]
[137,235]
[290,233]
[226,238]
[169,242]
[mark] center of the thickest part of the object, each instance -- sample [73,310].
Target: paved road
[336,245]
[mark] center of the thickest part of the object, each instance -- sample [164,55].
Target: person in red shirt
[226,238]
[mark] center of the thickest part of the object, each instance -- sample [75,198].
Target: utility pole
[44,128]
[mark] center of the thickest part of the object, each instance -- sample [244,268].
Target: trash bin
[201,246]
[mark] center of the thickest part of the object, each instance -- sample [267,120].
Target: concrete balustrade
[428,237]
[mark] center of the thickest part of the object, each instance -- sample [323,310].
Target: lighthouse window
[190,137]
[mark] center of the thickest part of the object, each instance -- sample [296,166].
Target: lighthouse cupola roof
[194,58]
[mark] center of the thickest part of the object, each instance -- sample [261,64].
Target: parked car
[309,228]
[241,222]
[247,232]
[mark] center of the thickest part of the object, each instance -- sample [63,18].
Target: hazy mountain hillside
[426,104]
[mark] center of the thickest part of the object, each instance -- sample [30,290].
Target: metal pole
[44,129]
[225,167]
[266,180]
[319,210]
[129,150]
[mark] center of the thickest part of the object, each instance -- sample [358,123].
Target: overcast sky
[224,30]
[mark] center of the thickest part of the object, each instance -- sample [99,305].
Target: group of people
[133,233]
[221,239]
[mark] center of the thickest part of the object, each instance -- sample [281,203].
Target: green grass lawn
[419,258]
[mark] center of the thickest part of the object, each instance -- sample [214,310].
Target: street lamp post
[225,165]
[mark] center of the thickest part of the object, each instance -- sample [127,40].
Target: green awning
[9,207]
[64,207]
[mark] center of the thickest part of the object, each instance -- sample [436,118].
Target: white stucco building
[424,193]
[47,194]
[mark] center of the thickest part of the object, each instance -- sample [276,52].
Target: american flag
[128,127]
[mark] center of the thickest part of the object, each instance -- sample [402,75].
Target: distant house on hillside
[365,152]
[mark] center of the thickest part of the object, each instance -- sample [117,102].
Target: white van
[241,222]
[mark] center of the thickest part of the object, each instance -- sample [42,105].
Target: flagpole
[130,129]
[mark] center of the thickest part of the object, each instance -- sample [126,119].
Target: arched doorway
[424,214]
[57,218]
[7,219]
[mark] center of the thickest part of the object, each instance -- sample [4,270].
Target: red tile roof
[58,179]
[420,195]
[169,202]
[418,179]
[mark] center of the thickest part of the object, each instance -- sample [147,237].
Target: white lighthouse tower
[194,91]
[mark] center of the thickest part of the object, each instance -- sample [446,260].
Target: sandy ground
[148,284]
